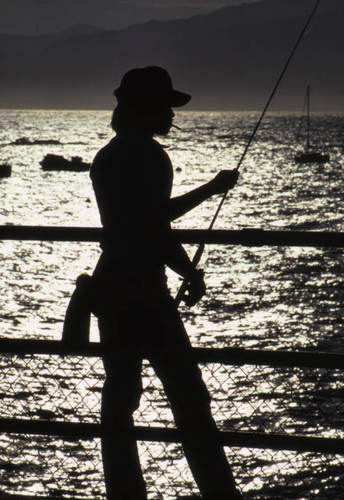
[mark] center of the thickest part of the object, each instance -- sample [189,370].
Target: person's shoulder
[105,151]
[103,157]
[157,149]
[156,145]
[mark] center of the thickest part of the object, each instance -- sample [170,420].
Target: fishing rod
[200,250]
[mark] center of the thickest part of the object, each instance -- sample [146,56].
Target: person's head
[145,100]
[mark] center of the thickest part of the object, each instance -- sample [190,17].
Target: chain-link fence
[280,416]
[247,400]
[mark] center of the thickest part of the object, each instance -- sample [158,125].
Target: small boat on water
[57,162]
[24,141]
[5,170]
[310,155]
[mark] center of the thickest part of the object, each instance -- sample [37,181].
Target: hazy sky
[43,16]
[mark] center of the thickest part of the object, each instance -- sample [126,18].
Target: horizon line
[104,110]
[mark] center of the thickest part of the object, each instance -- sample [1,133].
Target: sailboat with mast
[310,155]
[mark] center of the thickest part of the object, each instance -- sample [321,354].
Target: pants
[158,332]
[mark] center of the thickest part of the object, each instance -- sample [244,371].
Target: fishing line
[200,249]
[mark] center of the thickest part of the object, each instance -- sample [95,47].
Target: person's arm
[175,255]
[178,260]
[180,205]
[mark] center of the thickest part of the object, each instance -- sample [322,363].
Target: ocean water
[255,297]
[261,297]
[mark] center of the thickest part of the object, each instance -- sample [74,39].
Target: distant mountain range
[228,59]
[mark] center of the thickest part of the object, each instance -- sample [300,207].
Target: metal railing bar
[226,355]
[50,233]
[160,434]
[45,427]
[245,237]
[292,359]
[332,446]
[251,440]
[261,237]
[50,347]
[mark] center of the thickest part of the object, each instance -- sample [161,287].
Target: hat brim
[175,99]
[179,99]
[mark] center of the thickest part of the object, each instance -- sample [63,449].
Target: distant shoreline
[243,111]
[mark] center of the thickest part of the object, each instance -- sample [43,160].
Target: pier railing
[262,400]
[247,237]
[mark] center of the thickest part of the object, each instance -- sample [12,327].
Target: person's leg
[190,403]
[120,398]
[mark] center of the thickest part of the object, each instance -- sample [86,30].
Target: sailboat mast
[308,99]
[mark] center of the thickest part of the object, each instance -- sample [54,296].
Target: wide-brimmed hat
[150,86]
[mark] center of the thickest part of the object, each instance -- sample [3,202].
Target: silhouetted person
[132,179]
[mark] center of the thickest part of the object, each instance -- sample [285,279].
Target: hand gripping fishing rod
[200,249]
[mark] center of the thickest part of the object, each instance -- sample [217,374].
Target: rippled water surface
[256,296]
[261,297]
